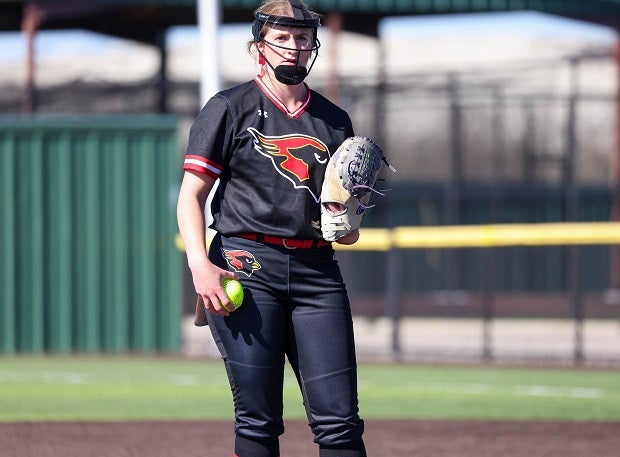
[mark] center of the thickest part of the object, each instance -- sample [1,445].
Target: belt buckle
[286,246]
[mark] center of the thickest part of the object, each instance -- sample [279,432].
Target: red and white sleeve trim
[202,165]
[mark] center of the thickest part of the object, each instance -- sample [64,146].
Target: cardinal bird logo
[241,261]
[291,155]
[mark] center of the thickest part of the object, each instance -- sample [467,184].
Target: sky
[51,43]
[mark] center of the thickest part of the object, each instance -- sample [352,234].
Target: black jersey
[270,162]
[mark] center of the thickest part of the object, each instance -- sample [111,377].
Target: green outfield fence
[87,262]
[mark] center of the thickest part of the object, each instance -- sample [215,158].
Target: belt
[288,243]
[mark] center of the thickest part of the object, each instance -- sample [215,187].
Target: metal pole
[492,256]
[488,302]
[456,159]
[209,14]
[393,283]
[572,212]
[30,25]
[528,148]
[453,187]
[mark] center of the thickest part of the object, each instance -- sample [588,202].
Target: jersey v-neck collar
[276,101]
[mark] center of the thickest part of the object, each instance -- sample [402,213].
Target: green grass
[145,388]
[489,393]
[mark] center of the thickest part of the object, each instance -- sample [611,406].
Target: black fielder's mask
[302,18]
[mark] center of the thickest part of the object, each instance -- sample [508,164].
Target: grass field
[153,388]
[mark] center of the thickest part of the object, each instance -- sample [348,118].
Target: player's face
[285,45]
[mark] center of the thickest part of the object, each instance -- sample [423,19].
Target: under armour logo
[263,113]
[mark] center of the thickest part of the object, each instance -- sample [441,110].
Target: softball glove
[349,181]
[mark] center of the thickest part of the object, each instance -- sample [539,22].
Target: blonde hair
[274,8]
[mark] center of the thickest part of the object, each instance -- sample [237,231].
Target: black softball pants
[296,308]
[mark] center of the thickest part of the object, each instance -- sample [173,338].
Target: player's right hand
[208,284]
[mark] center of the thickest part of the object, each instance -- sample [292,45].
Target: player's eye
[303,42]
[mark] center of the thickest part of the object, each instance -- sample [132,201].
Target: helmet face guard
[289,74]
[302,18]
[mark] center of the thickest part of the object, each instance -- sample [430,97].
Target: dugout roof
[143,20]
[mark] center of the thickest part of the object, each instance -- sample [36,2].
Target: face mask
[290,74]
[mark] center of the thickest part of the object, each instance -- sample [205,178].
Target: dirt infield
[383,438]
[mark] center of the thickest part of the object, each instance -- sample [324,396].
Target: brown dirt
[383,438]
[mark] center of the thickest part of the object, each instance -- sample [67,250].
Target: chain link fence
[529,144]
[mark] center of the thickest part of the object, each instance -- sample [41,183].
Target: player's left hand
[350,238]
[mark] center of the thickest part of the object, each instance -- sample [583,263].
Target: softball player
[268,141]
